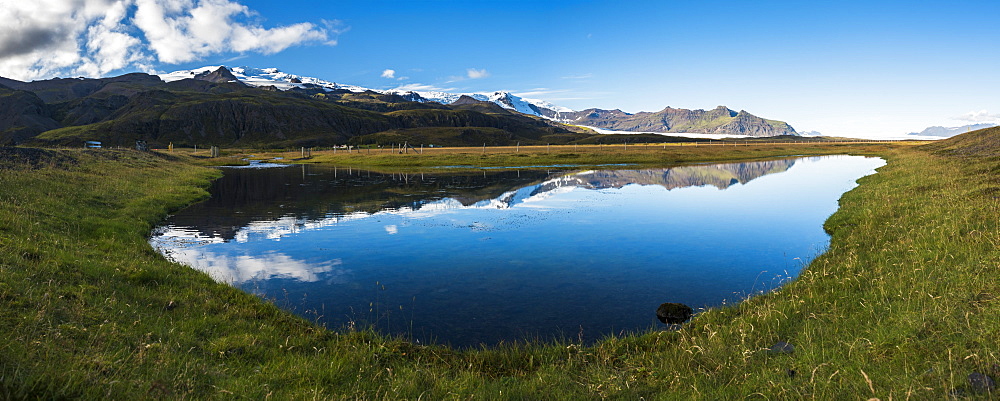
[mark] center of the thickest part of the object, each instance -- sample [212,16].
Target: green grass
[638,154]
[904,305]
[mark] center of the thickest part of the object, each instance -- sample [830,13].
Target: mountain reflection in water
[297,197]
[499,255]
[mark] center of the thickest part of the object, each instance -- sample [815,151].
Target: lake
[504,255]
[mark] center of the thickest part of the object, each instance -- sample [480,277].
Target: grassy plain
[904,305]
[649,154]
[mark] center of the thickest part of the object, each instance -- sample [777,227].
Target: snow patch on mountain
[546,105]
[185,74]
[433,96]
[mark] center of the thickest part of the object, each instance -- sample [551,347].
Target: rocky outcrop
[465,99]
[673,313]
[220,75]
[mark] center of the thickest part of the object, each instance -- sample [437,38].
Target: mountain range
[948,132]
[720,121]
[242,106]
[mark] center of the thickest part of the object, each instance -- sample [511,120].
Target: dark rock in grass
[673,313]
[981,383]
[781,347]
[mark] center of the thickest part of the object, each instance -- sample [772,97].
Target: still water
[508,255]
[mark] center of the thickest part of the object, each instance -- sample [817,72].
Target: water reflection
[500,255]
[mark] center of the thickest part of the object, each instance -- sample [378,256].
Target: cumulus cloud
[43,38]
[473,73]
[981,116]
[389,74]
[422,88]
[239,269]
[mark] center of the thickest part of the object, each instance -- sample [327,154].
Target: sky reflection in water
[506,255]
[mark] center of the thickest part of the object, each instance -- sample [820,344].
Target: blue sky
[851,68]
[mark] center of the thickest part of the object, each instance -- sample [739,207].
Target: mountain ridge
[667,121]
[225,106]
[210,107]
[720,120]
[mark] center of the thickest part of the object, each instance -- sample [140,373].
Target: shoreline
[91,310]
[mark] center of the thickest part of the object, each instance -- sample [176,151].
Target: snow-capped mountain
[262,77]
[720,122]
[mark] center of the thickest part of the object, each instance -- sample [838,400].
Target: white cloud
[185,30]
[473,73]
[541,92]
[388,73]
[981,116]
[44,38]
[422,88]
[239,269]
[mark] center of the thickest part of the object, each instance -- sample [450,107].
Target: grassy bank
[494,156]
[904,305]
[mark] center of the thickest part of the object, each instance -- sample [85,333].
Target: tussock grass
[904,305]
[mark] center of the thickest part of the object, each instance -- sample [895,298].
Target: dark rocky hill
[220,75]
[23,115]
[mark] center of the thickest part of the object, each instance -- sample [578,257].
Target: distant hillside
[951,131]
[984,143]
[720,120]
